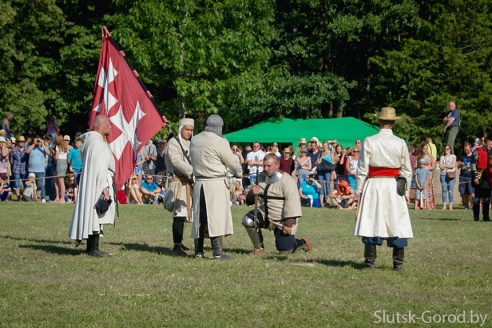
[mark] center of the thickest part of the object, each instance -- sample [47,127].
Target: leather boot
[89,243]
[398,257]
[476,211]
[95,247]
[199,247]
[485,211]
[218,252]
[303,244]
[178,250]
[370,256]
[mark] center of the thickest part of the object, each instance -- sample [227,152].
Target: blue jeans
[447,188]
[40,182]
[16,180]
[325,181]
[50,182]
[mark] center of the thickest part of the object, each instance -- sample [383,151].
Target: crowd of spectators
[41,167]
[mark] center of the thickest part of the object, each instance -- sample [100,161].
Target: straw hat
[303,140]
[388,114]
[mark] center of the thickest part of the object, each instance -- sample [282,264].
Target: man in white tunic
[178,164]
[210,158]
[382,212]
[96,180]
[280,209]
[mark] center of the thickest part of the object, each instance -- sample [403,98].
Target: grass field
[46,281]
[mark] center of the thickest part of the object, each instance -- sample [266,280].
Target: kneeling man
[279,211]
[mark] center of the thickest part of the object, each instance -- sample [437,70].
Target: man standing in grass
[178,164]
[280,209]
[210,157]
[383,212]
[96,181]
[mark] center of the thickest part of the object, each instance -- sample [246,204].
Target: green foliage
[251,60]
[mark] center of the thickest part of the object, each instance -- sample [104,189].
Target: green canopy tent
[287,131]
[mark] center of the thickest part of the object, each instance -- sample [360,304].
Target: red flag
[121,95]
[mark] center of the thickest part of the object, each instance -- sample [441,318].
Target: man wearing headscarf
[383,211]
[210,157]
[178,164]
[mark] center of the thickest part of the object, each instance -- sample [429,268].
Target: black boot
[89,243]
[303,244]
[398,256]
[218,252]
[370,256]
[94,247]
[485,211]
[199,247]
[476,211]
[178,250]
[178,229]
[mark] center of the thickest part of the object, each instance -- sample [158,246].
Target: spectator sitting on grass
[71,189]
[5,190]
[150,190]
[343,197]
[134,195]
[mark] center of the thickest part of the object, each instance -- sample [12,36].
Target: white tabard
[381,211]
[210,158]
[97,174]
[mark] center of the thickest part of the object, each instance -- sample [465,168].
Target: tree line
[251,60]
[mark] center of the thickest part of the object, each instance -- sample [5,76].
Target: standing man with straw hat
[383,212]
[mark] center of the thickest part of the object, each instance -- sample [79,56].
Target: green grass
[46,281]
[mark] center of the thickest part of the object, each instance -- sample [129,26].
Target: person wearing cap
[310,189]
[18,159]
[66,140]
[178,164]
[297,150]
[30,189]
[96,183]
[382,210]
[37,151]
[4,157]
[422,176]
[287,163]
[210,158]
[5,190]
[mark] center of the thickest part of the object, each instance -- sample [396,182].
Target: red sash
[383,171]
[482,159]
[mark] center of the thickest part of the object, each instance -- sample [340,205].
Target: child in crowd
[422,176]
[236,193]
[5,189]
[71,189]
[29,193]
[134,195]
[343,197]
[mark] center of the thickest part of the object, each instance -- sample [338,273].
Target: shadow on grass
[46,241]
[145,248]
[55,249]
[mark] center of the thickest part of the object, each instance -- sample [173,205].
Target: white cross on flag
[120,95]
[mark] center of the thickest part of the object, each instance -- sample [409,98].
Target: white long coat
[97,174]
[210,158]
[381,211]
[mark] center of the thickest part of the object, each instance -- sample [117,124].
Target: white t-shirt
[255,156]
